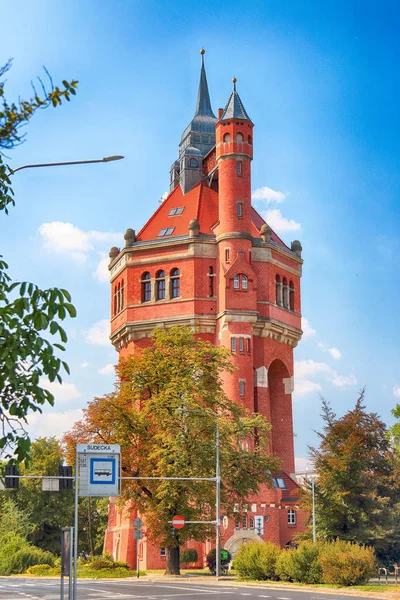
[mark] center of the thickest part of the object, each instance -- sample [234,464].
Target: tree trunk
[173,561]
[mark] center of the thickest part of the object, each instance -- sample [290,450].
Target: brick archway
[233,543]
[280,386]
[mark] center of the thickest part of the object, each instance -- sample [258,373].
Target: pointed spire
[203,107]
[234,108]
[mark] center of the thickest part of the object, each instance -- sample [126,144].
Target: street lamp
[70,162]
[217,486]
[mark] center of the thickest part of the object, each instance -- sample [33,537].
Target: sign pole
[71,542]
[217,505]
[75,526]
[137,559]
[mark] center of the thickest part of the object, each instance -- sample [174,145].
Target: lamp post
[217,487]
[70,162]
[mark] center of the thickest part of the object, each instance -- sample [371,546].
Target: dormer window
[193,163]
[279,483]
[236,282]
[176,211]
[166,231]
[240,282]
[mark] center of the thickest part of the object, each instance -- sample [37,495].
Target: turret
[234,152]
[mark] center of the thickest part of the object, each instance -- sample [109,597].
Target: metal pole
[71,542]
[62,585]
[137,559]
[217,504]
[314,533]
[75,526]
[70,162]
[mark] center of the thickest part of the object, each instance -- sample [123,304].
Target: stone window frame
[145,281]
[161,288]
[175,283]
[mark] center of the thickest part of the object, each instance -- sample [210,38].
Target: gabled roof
[234,108]
[200,203]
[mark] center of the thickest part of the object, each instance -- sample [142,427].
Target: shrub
[300,564]
[101,562]
[42,570]
[27,557]
[189,555]
[212,562]
[257,560]
[345,563]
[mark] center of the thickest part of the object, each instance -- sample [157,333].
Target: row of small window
[160,283]
[284,293]
[240,282]
[119,297]
[238,138]
[241,344]
[248,522]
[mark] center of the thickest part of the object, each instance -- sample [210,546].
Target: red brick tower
[206,258]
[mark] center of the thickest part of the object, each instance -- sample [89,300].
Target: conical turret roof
[204,119]
[234,108]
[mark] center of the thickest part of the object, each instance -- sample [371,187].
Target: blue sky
[320,80]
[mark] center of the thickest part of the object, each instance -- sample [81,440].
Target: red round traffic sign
[178,522]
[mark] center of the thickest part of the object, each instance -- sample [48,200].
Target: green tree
[162,415]
[27,313]
[357,489]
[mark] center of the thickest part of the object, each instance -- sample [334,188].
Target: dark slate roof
[204,119]
[234,108]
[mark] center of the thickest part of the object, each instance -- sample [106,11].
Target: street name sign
[99,469]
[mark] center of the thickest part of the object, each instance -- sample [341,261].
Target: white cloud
[308,331]
[342,381]
[396,391]
[334,352]
[305,368]
[269,195]
[107,369]
[98,334]
[303,387]
[53,423]
[278,222]
[84,365]
[62,392]
[102,273]
[303,464]
[65,238]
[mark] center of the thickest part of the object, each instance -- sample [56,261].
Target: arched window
[278,285]
[244,282]
[285,292]
[175,283]
[236,282]
[119,298]
[291,295]
[160,285]
[115,300]
[239,137]
[249,140]
[146,287]
[193,163]
[227,137]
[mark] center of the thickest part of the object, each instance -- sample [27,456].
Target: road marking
[282,598]
[264,596]
[245,594]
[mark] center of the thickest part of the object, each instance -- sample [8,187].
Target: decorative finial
[234,83]
[202,51]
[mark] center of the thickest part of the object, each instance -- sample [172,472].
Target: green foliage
[358,485]
[257,560]
[300,564]
[344,563]
[163,416]
[211,560]
[27,313]
[27,557]
[42,570]
[189,555]
[104,561]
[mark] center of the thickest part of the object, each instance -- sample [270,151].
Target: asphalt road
[125,589]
